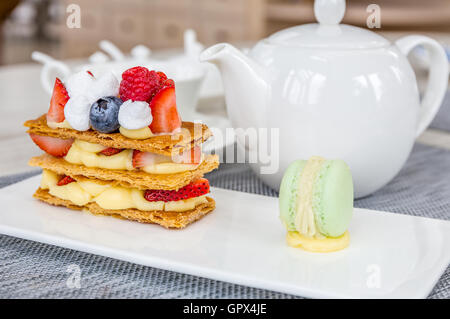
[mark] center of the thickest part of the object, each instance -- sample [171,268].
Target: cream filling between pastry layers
[111,197]
[305,222]
[63,124]
[87,154]
[139,134]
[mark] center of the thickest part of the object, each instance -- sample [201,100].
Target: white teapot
[333,90]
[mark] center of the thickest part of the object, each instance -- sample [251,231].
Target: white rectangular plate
[243,242]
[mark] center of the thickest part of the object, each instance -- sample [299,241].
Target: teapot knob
[329,12]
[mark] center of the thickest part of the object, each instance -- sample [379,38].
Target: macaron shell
[333,198]
[289,192]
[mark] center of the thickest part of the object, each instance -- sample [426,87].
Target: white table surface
[23,98]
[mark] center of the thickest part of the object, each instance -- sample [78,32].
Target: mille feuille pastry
[121,149]
[316,204]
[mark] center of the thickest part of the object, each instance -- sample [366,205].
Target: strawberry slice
[195,189]
[52,145]
[65,180]
[111,151]
[142,159]
[58,101]
[191,156]
[164,111]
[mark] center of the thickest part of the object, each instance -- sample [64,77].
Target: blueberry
[104,114]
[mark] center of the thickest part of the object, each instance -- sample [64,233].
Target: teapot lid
[328,33]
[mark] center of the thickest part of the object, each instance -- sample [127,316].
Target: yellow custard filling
[139,134]
[111,197]
[318,244]
[87,154]
[54,125]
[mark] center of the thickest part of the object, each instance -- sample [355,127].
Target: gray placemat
[442,119]
[31,269]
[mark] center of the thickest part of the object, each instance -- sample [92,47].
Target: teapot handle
[49,68]
[437,80]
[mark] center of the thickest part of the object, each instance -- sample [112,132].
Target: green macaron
[330,191]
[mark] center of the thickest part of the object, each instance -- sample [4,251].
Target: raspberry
[157,80]
[162,83]
[162,77]
[138,84]
[169,83]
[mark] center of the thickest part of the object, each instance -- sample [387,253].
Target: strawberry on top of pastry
[142,99]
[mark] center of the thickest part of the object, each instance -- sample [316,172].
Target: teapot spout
[245,84]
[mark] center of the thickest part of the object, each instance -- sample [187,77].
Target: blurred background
[29,25]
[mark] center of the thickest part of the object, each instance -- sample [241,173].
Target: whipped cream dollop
[106,85]
[134,115]
[84,90]
[79,83]
[76,112]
